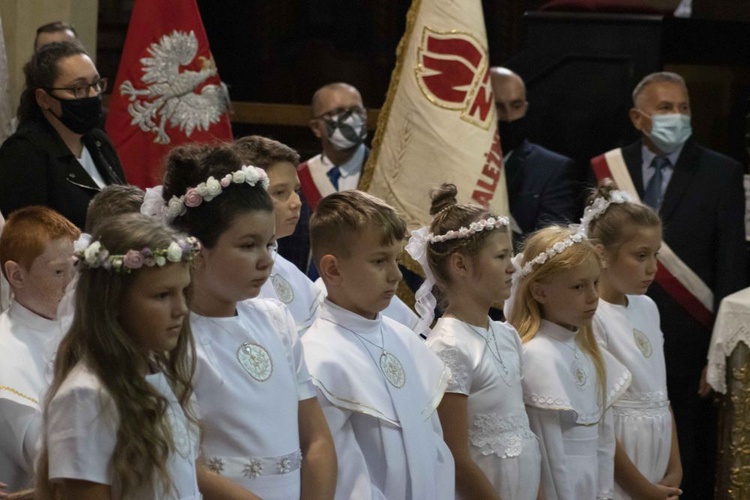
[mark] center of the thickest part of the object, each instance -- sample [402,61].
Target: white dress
[643,422]
[82,434]
[290,286]
[387,433]
[562,399]
[249,380]
[28,343]
[486,366]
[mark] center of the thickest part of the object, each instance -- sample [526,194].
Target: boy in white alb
[378,384]
[36,253]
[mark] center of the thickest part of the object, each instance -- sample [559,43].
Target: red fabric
[141,156]
[664,278]
[312,195]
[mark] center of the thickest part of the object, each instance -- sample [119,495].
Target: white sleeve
[554,481]
[82,428]
[353,480]
[20,435]
[606,456]
[287,328]
[457,358]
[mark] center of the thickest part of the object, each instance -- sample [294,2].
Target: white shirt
[386,431]
[28,343]
[87,162]
[249,380]
[351,171]
[290,286]
[82,434]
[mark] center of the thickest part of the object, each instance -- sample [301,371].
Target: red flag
[167,91]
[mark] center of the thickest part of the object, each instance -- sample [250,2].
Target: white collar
[351,167]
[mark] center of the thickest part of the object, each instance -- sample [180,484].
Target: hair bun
[443,197]
[604,190]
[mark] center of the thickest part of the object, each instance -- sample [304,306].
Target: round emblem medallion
[392,369]
[581,376]
[282,288]
[255,360]
[644,345]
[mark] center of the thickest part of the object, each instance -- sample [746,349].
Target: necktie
[334,174]
[653,194]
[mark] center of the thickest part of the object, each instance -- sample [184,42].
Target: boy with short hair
[377,382]
[113,200]
[36,255]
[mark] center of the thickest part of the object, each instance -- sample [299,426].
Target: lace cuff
[459,381]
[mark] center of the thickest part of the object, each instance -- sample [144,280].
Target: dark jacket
[703,215]
[37,168]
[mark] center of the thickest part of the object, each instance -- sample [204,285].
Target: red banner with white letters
[167,90]
[439,123]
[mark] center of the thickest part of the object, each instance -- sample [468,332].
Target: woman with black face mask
[58,157]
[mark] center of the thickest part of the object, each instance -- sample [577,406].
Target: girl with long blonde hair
[569,383]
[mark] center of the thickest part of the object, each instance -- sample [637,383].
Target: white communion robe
[643,422]
[249,380]
[294,289]
[397,310]
[563,403]
[82,434]
[486,366]
[28,344]
[387,433]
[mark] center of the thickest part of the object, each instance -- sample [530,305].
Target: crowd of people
[160,344]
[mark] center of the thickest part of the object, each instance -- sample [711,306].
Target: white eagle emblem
[170,95]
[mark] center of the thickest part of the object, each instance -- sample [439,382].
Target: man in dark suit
[540,186]
[700,198]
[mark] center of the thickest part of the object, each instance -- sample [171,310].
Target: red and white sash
[673,275]
[314,181]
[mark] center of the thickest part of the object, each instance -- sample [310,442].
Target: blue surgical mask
[669,132]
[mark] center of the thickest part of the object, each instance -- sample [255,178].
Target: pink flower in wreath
[192,198]
[133,259]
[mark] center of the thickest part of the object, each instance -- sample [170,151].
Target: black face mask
[80,115]
[512,134]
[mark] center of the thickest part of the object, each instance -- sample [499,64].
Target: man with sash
[699,196]
[539,181]
[340,122]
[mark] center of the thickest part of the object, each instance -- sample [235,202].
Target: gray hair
[661,76]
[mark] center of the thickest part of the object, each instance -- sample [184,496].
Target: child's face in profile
[284,190]
[569,298]
[154,306]
[493,270]
[632,268]
[47,277]
[369,275]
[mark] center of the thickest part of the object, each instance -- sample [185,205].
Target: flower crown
[558,248]
[465,232]
[211,188]
[95,256]
[600,205]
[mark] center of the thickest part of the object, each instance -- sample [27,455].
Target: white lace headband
[417,247]
[600,205]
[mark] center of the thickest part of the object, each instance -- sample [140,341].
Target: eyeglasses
[339,111]
[83,89]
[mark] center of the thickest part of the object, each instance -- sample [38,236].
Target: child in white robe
[118,422]
[377,382]
[257,404]
[627,235]
[466,252]
[287,283]
[36,254]
[569,383]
